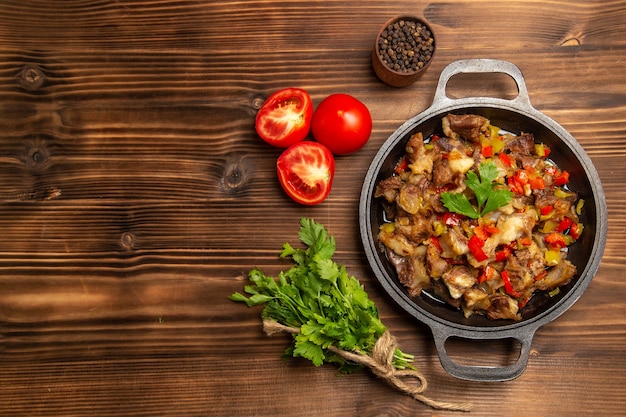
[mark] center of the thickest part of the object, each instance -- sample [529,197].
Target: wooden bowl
[388,66]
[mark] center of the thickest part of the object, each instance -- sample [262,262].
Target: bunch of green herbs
[318,297]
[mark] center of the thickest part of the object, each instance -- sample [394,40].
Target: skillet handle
[469,66]
[484,373]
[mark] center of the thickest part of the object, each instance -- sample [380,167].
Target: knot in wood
[127,241]
[258,102]
[235,176]
[36,154]
[31,77]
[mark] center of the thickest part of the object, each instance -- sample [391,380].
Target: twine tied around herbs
[380,363]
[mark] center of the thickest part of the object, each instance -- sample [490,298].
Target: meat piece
[419,276]
[459,162]
[545,198]
[411,272]
[537,264]
[475,299]
[410,199]
[440,290]
[503,307]
[466,126]
[515,226]
[458,279]
[442,174]
[563,207]
[415,146]
[417,230]
[401,265]
[432,199]
[388,188]
[454,243]
[397,242]
[522,145]
[559,275]
[517,267]
[445,144]
[419,161]
[435,263]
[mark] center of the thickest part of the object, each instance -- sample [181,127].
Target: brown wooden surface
[135,195]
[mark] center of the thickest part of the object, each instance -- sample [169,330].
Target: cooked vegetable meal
[479,217]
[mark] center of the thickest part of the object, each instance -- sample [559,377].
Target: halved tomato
[285,117]
[305,171]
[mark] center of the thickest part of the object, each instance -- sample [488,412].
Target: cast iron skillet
[515,115]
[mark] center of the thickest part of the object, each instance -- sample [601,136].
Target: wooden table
[135,196]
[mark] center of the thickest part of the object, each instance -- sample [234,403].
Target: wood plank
[135,196]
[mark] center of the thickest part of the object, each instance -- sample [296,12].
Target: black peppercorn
[406,46]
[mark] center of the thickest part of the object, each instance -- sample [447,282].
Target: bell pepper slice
[486,274]
[555,240]
[576,230]
[475,246]
[506,159]
[561,177]
[451,219]
[508,287]
[546,210]
[553,257]
[564,224]
[503,254]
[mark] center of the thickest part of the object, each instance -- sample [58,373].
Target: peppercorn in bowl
[403,50]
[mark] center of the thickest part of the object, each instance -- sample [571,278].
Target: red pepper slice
[561,178]
[487,151]
[546,151]
[402,165]
[475,245]
[481,233]
[564,224]
[503,254]
[555,240]
[508,287]
[525,241]
[506,159]
[536,182]
[491,229]
[545,210]
[523,302]
[517,181]
[451,219]
[576,230]
[486,274]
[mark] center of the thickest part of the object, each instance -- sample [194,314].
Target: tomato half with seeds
[285,117]
[305,171]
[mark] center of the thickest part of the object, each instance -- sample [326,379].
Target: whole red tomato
[342,123]
[305,171]
[285,117]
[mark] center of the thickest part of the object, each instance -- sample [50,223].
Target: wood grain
[135,196]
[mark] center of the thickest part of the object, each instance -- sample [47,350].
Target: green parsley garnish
[318,297]
[489,195]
